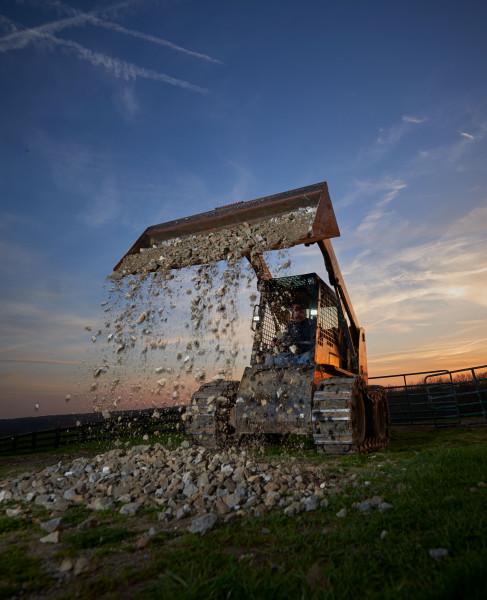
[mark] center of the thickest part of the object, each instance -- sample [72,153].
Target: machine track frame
[348,416]
[207,418]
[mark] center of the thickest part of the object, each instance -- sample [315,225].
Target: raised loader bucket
[300,216]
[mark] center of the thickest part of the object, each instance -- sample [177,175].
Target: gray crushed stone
[228,244]
[185,482]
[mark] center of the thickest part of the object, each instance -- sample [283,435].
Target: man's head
[299,314]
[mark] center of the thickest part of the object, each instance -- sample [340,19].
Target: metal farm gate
[437,398]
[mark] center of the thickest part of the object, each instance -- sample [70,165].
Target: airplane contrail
[20,39]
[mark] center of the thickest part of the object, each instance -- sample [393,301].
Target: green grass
[102,535]
[10,524]
[19,571]
[433,508]
[76,514]
[426,475]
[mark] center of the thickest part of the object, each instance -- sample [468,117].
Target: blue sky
[116,116]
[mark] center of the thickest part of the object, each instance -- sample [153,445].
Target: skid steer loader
[321,392]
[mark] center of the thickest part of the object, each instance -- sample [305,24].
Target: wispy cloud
[114,190]
[126,103]
[118,68]
[151,38]
[399,283]
[430,159]
[43,36]
[36,321]
[436,356]
[392,135]
[474,221]
[78,18]
[385,190]
[467,135]
[388,138]
[408,119]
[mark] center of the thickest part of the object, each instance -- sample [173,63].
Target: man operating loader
[297,343]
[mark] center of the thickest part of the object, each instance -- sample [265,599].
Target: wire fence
[123,426]
[437,398]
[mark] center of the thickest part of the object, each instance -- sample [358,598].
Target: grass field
[431,479]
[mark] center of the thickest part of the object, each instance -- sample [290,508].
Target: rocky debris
[143,540]
[82,565]
[316,578]
[131,508]
[13,512]
[66,565]
[225,244]
[187,481]
[52,525]
[366,506]
[438,553]
[101,504]
[51,538]
[142,318]
[370,504]
[203,524]
[311,502]
[153,309]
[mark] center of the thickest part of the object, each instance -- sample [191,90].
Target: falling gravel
[166,331]
[227,244]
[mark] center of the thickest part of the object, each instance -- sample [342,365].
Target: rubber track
[332,414]
[207,413]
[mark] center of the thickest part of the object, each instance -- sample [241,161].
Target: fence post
[407,399]
[479,393]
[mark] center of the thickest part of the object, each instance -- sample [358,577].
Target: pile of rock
[228,244]
[182,482]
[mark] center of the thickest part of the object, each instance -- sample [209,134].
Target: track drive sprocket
[349,416]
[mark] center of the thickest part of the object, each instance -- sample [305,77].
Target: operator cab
[273,315]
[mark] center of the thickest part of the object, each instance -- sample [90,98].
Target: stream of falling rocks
[165,331]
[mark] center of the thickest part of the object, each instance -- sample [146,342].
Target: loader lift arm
[356,334]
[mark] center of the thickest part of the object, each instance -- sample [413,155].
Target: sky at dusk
[115,116]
